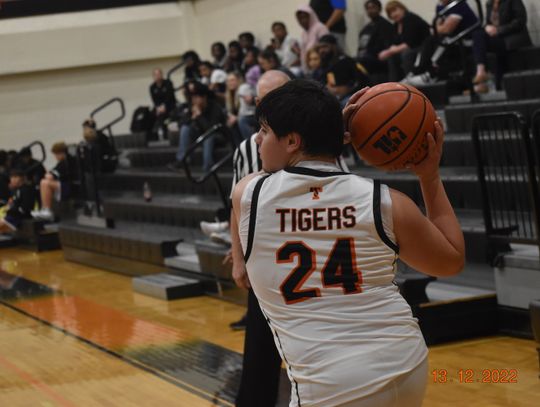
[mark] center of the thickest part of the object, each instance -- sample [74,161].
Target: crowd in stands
[395,45]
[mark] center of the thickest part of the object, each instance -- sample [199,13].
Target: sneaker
[175,166]
[419,80]
[239,325]
[43,214]
[221,237]
[210,227]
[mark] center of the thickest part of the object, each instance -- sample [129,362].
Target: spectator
[162,93]
[268,60]
[240,103]
[427,68]
[506,30]
[205,113]
[219,53]
[313,64]
[246,40]
[375,37]
[285,46]
[410,32]
[57,184]
[4,178]
[214,78]
[313,31]
[332,14]
[250,59]
[191,60]
[104,154]
[33,169]
[235,58]
[23,199]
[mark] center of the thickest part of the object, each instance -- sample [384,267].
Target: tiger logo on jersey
[315,191]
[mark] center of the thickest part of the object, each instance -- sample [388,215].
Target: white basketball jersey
[322,267]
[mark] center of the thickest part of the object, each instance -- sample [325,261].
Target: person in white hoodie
[313,31]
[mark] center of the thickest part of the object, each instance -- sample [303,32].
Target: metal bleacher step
[437,93]
[524,59]
[186,259]
[130,248]
[166,286]
[132,140]
[161,155]
[496,96]
[522,84]
[7,241]
[160,180]
[459,117]
[185,210]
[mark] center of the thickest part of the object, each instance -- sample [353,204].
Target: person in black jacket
[374,38]
[58,183]
[22,201]
[104,154]
[4,178]
[162,93]
[410,32]
[506,30]
[205,113]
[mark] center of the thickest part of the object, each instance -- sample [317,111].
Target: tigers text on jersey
[322,268]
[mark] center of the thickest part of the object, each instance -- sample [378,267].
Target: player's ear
[294,142]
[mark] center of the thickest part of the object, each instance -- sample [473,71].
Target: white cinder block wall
[55,69]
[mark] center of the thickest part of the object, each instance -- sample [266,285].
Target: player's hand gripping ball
[388,125]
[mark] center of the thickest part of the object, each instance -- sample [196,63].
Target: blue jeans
[187,135]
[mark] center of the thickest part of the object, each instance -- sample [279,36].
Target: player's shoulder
[241,186]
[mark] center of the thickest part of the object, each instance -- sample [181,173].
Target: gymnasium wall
[54,69]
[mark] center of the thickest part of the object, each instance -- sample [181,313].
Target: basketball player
[320,247]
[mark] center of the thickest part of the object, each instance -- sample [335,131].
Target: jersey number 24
[339,270]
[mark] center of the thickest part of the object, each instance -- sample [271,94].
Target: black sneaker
[239,325]
[175,166]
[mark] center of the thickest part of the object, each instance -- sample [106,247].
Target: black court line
[222,398]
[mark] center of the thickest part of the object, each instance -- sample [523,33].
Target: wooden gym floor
[76,336]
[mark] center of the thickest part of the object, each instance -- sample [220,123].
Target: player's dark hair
[248,36]
[307,108]
[220,46]
[208,64]
[278,24]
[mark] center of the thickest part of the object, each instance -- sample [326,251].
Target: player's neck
[305,157]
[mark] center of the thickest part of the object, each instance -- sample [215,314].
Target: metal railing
[218,129]
[43,155]
[448,41]
[108,127]
[173,70]
[507,172]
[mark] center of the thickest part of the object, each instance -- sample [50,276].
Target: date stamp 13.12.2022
[442,376]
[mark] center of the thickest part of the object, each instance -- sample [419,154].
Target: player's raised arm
[432,244]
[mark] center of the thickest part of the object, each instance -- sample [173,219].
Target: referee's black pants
[262,363]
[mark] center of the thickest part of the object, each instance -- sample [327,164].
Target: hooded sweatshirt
[311,36]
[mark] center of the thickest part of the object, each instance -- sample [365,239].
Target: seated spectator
[33,169]
[162,93]
[214,78]
[22,201]
[332,56]
[104,155]
[410,31]
[58,183]
[313,64]
[191,70]
[251,58]
[4,178]
[313,30]
[12,158]
[235,57]
[219,53]
[428,68]
[205,113]
[375,37]
[506,30]
[246,40]
[240,102]
[285,46]
[332,14]
[268,60]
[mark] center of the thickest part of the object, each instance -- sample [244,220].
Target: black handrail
[173,70]
[108,126]
[43,155]
[448,41]
[535,124]
[212,172]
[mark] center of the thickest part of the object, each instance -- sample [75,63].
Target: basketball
[390,125]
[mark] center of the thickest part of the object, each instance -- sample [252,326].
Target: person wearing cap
[21,203]
[342,74]
[214,78]
[205,113]
[58,183]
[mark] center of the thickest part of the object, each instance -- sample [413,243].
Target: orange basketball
[389,127]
